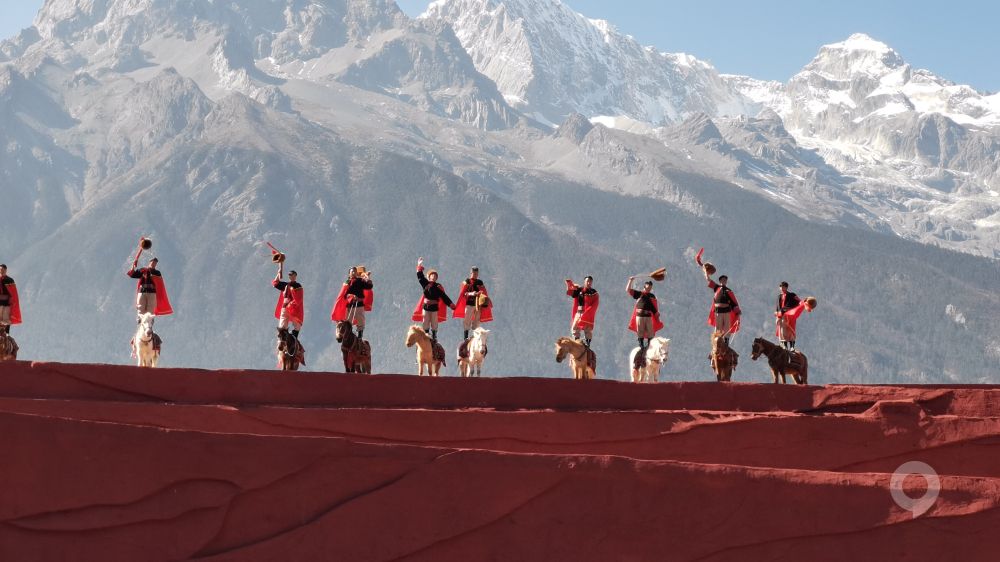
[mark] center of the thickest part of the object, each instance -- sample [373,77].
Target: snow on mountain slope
[550,61]
[921,151]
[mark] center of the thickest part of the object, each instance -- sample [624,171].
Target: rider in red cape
[432,308]
[786,312]
[10,304]
[585,304]
[724,315]
[151,292]
[645,321]
[291,301]
[471,313]
[356,297]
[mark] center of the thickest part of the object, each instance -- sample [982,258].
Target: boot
[587,343]
[5,329]
[361,333]
[295,334]
[434,335]
[466,336]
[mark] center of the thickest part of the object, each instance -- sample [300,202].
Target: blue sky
[773,39]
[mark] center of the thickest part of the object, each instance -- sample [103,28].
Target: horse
[582,359]
[429,352]
[723,358]
[657,353]
[357,352]
[782,362]
[145,343]
[290,352]
[8,347]
[472,353]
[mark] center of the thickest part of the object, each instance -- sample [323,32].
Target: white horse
[143,349]
[657,353]
[473,364]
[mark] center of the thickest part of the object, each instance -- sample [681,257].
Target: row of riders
[474,308]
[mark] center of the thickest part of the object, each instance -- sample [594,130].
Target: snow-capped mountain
[920,151]
[345,132]
[550,61]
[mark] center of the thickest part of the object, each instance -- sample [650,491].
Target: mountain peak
[859,54]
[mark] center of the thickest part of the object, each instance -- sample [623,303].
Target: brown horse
[290,352]
[583,360]
[8,347]
[357,352]
[723,358]
[782,361]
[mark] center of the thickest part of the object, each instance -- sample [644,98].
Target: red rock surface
[107,463]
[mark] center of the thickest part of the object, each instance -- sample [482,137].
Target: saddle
[157,342]
[795,359]
[437,352]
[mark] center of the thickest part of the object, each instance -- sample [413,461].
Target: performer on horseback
[478,307]
[645,320]
[725,313]
[10,305]
[585,303]
[786,312]
[151,293]
[434,302]
[290,308]
[356,297]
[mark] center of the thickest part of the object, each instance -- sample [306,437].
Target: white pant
[5,315]
[356,315]
[724,322]
[644,327]
[430,320]
[145,302]
[284,321]
[471,320]
[587,331]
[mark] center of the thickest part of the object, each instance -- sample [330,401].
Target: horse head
[145,330]
[757,349]
[480,334]
[343,327]
[412,334]
[659,349]
[561,349]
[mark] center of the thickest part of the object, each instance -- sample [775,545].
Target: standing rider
[478,307]
[786,314]
[356,297]
[290,308]
[585,303]
[434,302]
[645,320]
[725,312]
[151,293]
[10,305]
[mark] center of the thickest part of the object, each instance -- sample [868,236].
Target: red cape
[734,316]
[339,312]
[418,313]
[657,324]
[791,317]
[15,304]
[297,309]
[163,307]
[485,315]
[590,304]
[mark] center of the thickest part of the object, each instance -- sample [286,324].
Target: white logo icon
[916,506]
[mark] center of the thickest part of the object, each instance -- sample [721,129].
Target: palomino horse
[290,352]
[472,353]
[8,347]
[782,361]
[357,352]
[145,343]
[657,353]
[429,352]
[582,359]
[723,358]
